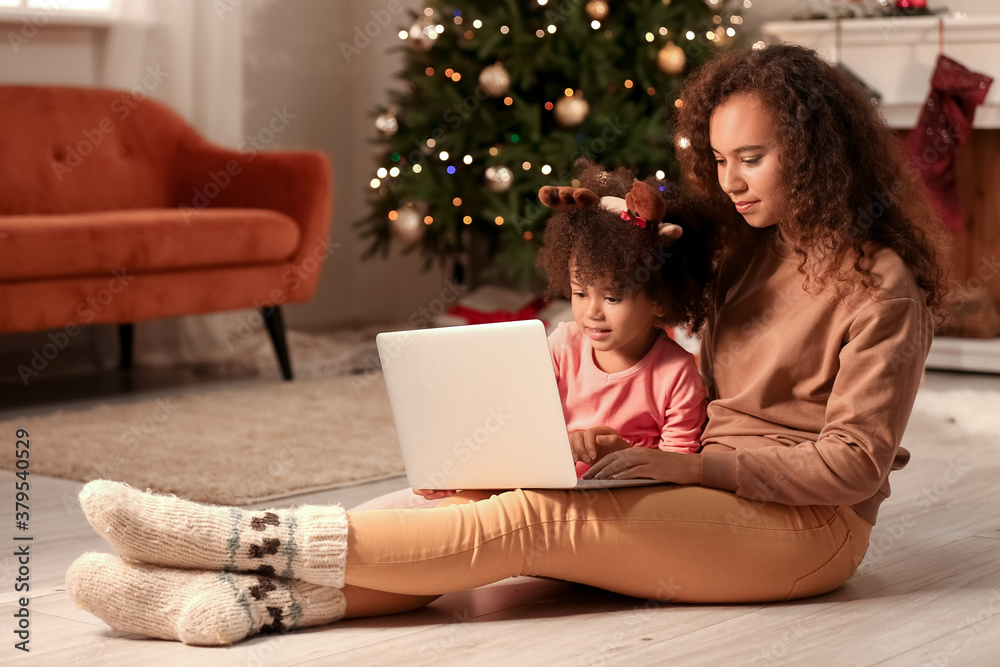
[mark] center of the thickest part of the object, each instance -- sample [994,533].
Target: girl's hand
[433,494]
[644,463]
[593,444]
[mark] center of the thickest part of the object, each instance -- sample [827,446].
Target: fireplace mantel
[897,55]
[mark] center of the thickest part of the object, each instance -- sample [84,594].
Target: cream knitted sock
[201,608]
[307,543]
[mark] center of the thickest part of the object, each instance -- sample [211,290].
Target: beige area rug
[313,355]
[232,446]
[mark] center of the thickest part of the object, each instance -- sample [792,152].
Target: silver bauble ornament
[409,224]
[386,124]
[597,10]
[499,179]
[671,59]
[495,80]
[572,110]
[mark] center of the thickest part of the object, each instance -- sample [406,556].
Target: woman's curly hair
[847,180]
[675,274]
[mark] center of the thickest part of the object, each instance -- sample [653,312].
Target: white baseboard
[965,354]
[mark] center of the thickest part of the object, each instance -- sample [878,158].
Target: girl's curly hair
[847,180]
[675,274]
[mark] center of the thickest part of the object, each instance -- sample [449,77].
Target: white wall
[294,59]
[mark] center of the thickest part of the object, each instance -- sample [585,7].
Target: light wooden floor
[927,594]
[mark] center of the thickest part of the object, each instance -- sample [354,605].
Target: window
[42,12]
[56,5]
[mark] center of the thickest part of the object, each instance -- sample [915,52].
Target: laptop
[477,407]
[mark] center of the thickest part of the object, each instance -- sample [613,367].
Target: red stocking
[944,124]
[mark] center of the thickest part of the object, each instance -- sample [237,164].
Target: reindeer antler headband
[642,205]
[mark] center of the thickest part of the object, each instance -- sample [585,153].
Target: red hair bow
[641,222]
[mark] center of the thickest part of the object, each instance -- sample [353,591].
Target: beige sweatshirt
[810,392]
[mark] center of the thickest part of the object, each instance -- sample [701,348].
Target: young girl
[632,263]
[816,338]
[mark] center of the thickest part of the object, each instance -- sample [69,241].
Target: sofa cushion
[71,150]
[142,241]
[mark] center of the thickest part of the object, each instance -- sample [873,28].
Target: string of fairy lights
[408,220]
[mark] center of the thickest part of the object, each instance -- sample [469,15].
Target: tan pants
[667,543]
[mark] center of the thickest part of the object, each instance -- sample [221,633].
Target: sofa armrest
[297,183]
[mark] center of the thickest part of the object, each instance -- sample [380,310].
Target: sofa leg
[125,332]
[276,327]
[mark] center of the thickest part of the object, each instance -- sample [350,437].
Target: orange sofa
[114,210]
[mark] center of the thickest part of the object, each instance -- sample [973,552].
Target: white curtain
[187,54]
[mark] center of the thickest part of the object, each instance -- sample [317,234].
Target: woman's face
[747,150]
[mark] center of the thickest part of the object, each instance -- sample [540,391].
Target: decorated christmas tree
[502,97]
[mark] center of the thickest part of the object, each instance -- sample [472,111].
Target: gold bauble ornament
[495,80]
[597,9]
[572,110]
[409,224]
[671,59]
[499,178]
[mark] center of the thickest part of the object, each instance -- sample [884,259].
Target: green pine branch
[624,125]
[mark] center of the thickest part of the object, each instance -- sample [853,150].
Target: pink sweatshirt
[659,402]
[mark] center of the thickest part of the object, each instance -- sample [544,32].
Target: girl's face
[621,329]
[747,150]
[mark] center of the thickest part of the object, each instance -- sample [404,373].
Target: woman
[815,345]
